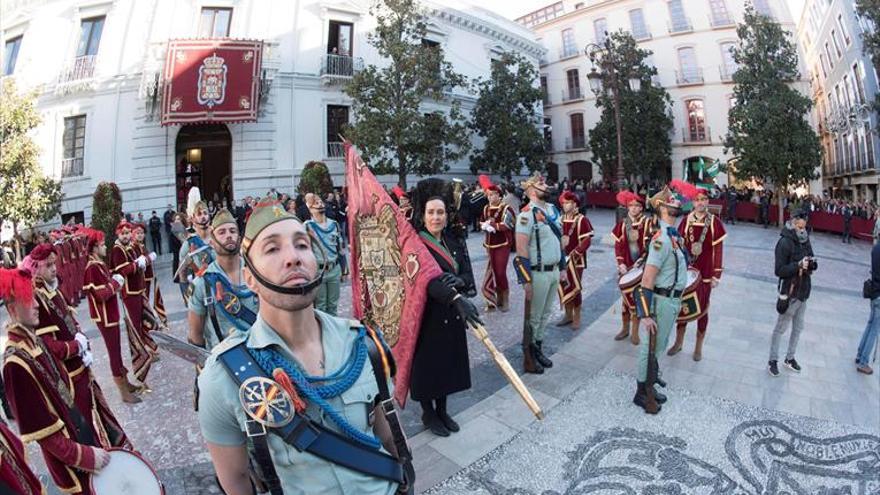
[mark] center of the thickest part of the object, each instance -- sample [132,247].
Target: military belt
[543,268]
[668,292]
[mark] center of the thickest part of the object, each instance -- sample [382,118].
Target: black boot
[539,354]
[530,364]
[641,398]
[445,418]
[659,397]
[431,420]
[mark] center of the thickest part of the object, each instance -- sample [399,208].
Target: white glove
[152,257]
[118,278]
[190,278]
[82,341]
[487,227]
[87,359]
[141,262]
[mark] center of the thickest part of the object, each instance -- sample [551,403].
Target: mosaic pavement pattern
[596,442]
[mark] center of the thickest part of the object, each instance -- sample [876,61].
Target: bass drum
[127,473]
[691,308]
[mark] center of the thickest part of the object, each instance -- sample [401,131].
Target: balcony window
[637,22]
[10,55]
[689,72]
[574,85]
[73,142]
[600,28]
[836,41]
[548,134]
[728,66]
[696,131]
[215,22]
[763,7]
[569,46]
[678,20]
[339,42]
[828,55]
[90,36]
[577,131]
[859,82]
[843,29]
[719,14]
[337,120]
[544,93]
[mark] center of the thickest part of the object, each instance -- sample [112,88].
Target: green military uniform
[222,417]
[196,264]
[330,260]
[228,302]
[665,251]
[545,253]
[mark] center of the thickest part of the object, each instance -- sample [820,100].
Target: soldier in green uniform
[330,257]
[298,386]
[658,301]
[221,303]
[537,264]
[195,252]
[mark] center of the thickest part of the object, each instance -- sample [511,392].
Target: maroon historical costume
[631,235]
[16,476]
[153,302]
[577,233]
[497,221]
[49,407]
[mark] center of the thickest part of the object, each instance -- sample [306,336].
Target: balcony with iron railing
[696,135]
[641,34]
[335,150]
[79,69]
[679,26]
[72,167]
[726,71]
[545,99]
[689,76]
[575,143]
[337,69]
[721,20]
[572,94]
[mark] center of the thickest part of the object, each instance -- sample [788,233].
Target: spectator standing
[869,336]
[876,233]
[156,232]
[764,208]
[794,266]
[168,219]
[732,200]
[847,213]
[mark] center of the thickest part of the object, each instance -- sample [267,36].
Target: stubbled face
[224,238]
[494,198]
[799,224]
[634,209]
[540,191]
[47,270]
[435,216]
[124,236]
[282,254]
[316,205]
[201,217]
[701,204]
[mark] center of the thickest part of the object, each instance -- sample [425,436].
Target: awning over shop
[211,80]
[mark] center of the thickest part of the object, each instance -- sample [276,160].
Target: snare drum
[691,306]
[631,279]
[126,473]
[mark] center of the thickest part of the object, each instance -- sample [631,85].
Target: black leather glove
[467,310]
[471,292]
[449,280]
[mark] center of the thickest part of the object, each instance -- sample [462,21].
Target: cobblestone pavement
[164,426]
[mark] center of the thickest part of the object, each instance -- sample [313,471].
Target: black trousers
[157,242]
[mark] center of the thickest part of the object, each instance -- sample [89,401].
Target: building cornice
[474,24]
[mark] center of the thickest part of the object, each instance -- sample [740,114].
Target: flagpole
[507,370]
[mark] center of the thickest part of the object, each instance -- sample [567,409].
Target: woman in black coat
[441,366]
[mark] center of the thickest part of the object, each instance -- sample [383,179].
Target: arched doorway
[552,172]
[580,170]
[203,158]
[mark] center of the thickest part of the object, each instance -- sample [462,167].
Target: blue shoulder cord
[344,378]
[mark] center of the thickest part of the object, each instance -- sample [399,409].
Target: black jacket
[875,269]
[789,253]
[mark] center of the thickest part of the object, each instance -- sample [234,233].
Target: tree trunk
[401,169]
[781,210]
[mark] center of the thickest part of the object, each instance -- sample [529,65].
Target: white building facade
[843,84]
[690,41]
[99,69]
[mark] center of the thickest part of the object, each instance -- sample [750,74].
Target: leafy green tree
[644,114]
[870,9]
[29,196]
[506,117]
[107,210]
[316,179]
[768,133]
[392,129]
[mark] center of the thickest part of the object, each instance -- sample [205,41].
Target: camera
[812,264]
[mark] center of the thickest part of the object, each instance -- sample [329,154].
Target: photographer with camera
[794,265]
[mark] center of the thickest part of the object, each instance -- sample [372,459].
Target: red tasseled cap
[94,236]
[16,285]
[399,192]
[42,252]
[486,184]
[55,234]
[624,198]
[123,225]
[138,226]
[702,191]
[568,196]
[685,189]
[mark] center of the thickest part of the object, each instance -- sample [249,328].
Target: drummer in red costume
[703,235]
[16,476]
[152,296]
[577,233]
[56,237]
[39,390]
[631,235]
[125,261]
[403,202]
[101,289]
[497,222]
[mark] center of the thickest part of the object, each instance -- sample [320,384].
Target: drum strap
[265,467]
[303,434]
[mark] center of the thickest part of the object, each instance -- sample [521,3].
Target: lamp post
[601,55]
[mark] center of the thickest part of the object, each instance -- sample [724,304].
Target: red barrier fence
[748,211]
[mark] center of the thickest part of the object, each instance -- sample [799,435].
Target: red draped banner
[390,267]
[211,80]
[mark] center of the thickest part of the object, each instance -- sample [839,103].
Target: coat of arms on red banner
[211,80]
